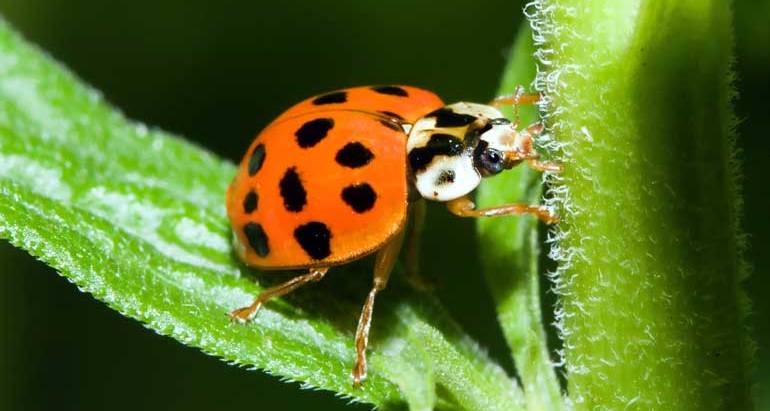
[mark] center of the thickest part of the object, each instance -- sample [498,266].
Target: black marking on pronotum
[448,118]
[314,238]
[480,131]
[292,191]
[313,131]
[257,238]
[331,98]
[392,114]
[445,177]
[257,159]
[354,155]
[491,123]
[391,90]
[392,125]
[360,197]
[438,145]
[250,202]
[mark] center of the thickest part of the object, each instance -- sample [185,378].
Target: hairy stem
[510,252]
[649,244]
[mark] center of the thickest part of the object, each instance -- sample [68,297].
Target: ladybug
[338,176]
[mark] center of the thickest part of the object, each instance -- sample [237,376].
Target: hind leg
[247,313]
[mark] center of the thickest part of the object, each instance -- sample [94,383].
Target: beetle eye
[493,156]
[488,160]
[492,161]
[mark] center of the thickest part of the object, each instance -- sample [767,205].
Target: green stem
[638,99]
[510,252]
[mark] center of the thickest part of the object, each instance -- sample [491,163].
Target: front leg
[465,207]
[517,98]
[529,154]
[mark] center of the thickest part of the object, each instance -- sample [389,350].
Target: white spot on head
[501,137]
[430,185]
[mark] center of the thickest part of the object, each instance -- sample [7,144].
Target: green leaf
[639,103]
[136,217]
[510,250]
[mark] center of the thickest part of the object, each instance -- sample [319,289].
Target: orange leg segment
[383,265]
[247,313]
[530,155]
[538,165]
[515,100]
[465,207]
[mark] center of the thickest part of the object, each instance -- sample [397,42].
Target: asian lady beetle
[336,177]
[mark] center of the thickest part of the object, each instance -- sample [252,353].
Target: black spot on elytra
[354,155]
[360,197]
[438,145]
[393,115]
[292,191]
[313,131]
[331,98]
[257,238]
[445,177]
[314,238]
[448,118]
[391,90]
[250,202]
[257,159]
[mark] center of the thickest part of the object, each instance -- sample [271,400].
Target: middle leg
[385,260]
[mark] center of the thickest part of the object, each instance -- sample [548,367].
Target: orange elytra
[338,176]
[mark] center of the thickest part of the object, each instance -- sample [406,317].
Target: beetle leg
[383,265]
[465,207]
[413,235]
[515,99]
[531,156]
[538,165]
[247,313]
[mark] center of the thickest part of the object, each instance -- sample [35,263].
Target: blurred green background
[216,74]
